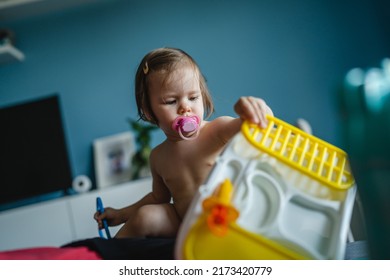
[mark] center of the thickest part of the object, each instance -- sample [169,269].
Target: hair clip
[146,68]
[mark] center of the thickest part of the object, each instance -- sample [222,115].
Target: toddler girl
[171,93]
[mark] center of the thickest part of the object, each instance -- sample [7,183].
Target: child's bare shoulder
[224,127]
[157,152]
[217,123]
[222,120]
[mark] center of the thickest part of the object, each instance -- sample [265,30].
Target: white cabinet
[60,221]
[42,224]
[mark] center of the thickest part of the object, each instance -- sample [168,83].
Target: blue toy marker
[100,209]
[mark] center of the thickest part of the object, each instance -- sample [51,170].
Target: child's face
[177,95]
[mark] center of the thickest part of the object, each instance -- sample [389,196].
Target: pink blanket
[50,253]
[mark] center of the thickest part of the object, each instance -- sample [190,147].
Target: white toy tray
[278,202]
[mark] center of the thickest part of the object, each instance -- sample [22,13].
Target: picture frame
[112,159]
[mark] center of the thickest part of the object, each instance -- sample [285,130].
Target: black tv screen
[34,160]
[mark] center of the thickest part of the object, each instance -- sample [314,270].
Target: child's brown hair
[165,59]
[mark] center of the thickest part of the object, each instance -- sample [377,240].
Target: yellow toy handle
[302,151]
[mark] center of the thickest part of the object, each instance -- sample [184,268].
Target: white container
[277,202]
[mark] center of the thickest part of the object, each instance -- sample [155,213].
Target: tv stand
[66,219]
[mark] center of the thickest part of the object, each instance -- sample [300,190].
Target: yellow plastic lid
[236,244]
[222,238]
[301,151]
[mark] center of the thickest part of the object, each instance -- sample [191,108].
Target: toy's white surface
[277,202]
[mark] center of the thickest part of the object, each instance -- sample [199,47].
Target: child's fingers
[246,110]
[264,111]
[99,217]
[96,216]
[99,221]
[254,109]
[251,110]
[259,110]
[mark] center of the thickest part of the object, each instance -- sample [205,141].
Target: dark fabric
[129,248]
[163,248]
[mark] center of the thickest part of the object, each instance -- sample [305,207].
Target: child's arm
[248,108]
[116,217]
[159,194]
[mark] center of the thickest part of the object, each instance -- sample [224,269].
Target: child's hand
[111,215]
[253,109]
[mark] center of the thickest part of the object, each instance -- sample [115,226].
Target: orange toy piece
[219,209]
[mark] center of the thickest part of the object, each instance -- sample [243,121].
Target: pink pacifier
[185,124]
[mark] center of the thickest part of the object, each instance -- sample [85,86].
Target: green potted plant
[140,161]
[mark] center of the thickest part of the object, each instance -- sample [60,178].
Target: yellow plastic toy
[304,152]
[218,221]
[275,193]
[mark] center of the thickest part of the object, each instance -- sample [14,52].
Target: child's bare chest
[183,178]
[184,172]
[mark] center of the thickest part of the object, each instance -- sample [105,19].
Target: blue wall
[291,53]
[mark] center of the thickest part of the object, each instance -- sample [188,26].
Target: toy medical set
[274,193]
